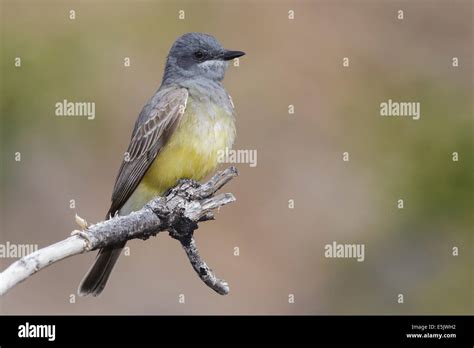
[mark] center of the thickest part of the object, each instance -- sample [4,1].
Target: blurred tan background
[295,62]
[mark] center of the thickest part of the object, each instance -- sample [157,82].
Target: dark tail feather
[97,276]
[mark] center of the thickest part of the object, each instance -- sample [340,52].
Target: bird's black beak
[229,55]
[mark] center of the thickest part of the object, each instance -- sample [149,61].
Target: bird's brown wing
[153,128]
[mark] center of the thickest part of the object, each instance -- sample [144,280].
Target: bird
[177,135]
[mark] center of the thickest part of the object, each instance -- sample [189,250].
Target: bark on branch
[178,213]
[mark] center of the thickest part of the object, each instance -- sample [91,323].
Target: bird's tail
[97,276]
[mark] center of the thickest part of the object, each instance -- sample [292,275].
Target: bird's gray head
[197,56]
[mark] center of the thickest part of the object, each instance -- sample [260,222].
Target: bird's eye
[199,54]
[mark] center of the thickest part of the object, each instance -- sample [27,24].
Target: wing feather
[153,128]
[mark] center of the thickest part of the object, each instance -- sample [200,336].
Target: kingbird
[178,135]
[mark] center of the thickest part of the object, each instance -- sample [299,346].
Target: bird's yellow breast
[191,152]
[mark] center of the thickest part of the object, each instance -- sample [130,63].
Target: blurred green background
[296,62]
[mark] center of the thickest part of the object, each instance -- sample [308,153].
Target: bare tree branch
[178,212]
